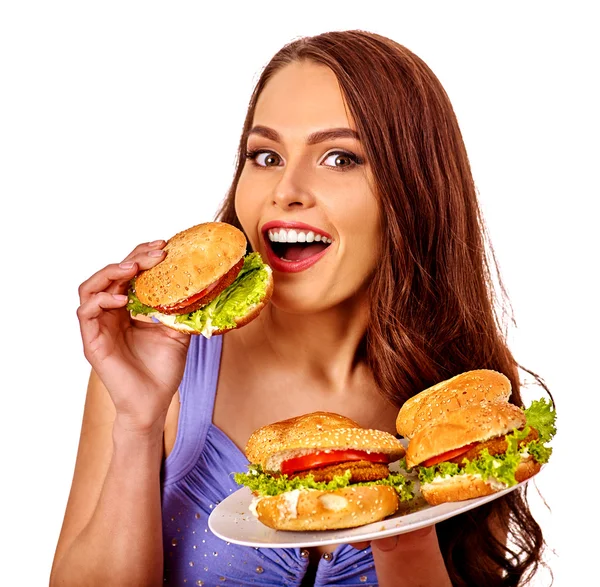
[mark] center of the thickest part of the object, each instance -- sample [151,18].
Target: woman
[349,135]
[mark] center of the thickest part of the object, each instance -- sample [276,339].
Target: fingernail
[119,297]
[126,265]
[155,253]
[387,544]
[155,243]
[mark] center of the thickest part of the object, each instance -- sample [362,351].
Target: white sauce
[332,502]
[289,508]
[252,506]
[169,320]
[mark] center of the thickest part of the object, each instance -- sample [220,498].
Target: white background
[119,123]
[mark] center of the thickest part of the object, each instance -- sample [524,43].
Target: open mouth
[296,245]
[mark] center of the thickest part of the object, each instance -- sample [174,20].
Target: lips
[294,246]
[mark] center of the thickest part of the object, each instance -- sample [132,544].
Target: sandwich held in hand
[322,471]
[205,284]
[466,440]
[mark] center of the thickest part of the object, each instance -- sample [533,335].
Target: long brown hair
[434,312]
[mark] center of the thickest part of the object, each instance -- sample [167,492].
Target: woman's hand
[140,363]
[409,559]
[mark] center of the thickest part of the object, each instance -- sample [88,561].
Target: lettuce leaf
[265,484]
[232,303]
[428,474]
[541,415]
[498,467]
[540,452]
[401,484]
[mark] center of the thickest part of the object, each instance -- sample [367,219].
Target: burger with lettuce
[469,448]
[206,284]
[322,471]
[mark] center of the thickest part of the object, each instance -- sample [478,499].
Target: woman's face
[304,197]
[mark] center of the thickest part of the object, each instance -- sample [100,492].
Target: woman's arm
[112,530]
[414,559]
[410,560]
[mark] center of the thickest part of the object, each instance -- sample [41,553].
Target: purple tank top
[197,475]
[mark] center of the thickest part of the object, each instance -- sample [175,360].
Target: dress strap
[197,398]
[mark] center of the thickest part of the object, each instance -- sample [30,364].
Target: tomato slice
[185,303]
[446,456]
[320,459]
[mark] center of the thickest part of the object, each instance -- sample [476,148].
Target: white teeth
[296,236]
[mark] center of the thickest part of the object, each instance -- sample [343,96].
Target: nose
[293,189]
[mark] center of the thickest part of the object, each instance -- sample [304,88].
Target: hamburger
[206,284]
[322,471]
[466,440]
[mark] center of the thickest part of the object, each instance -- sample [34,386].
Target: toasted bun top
[274,443]
[462,390]
[455,429]
[196,258]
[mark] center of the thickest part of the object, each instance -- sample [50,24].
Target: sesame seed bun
[349,507]
[195,259]
[455,429]
[461,487]
[270,445]
[469,388]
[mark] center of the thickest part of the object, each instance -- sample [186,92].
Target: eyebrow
[312,139]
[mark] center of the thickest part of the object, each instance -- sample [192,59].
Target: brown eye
[341,160]
[267,159]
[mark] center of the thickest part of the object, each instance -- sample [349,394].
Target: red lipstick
[286,266]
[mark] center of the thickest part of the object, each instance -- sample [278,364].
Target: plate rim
[349,535]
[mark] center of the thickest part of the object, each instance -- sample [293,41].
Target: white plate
[232,521]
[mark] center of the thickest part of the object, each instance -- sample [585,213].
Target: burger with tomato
[206,284]
[322,471]
[470,441]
